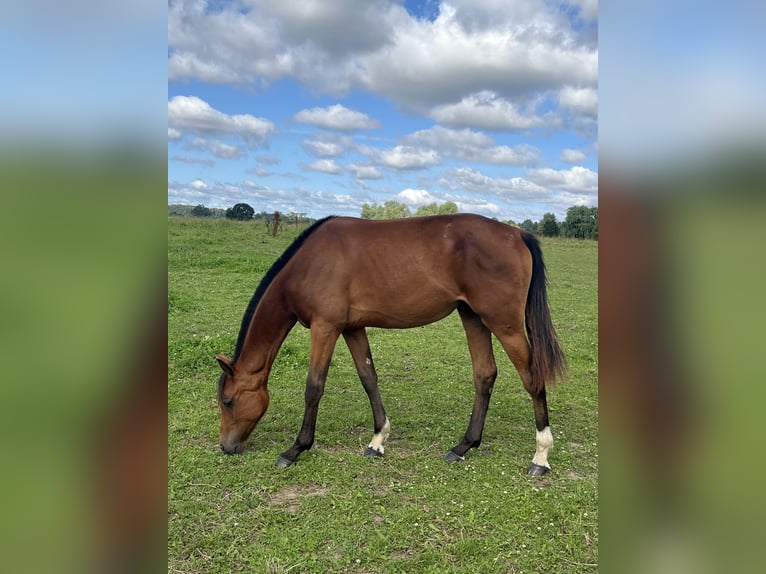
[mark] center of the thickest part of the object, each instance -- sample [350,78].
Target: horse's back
[406,272]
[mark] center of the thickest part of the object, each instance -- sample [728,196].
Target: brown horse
[344,274]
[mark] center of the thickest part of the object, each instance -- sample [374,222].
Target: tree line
[581,222]
[239,211]
[395,210]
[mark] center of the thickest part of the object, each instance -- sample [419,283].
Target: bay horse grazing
[344,274]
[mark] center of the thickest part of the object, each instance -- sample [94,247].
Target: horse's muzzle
[235,448]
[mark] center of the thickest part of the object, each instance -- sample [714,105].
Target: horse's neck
[269,326]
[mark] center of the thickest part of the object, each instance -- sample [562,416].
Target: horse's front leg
[323,340]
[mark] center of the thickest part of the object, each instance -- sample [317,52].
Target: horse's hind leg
[517,348]
[357,342]
[323,340]
[484,375]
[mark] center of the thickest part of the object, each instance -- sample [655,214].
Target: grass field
[336,511]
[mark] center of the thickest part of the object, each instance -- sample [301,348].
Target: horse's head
[243,400]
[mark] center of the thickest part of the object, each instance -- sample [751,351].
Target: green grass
[336,511]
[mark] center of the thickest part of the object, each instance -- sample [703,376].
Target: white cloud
[198,184]
[361,171]
[409,157]
[518,198]
[322,149]
[580,100]
[174,134]
[486,110]
[470,145]
[513,49]
[194,115]
[328,145]
[572,156]
[469,179]
[324,166]
[193,160]
[416,197]
[336,117]
[477,205]
[577,179]
[450,139]
[217,148]
[464,51]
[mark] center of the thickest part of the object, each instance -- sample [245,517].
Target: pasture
[409,511]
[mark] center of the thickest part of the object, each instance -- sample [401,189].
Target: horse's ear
[225,364]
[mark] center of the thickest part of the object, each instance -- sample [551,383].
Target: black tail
[547,362]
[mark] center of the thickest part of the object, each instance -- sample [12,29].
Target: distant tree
[581,222]
[428,209]
[240,211]
[373,211]
[549,227]
[529,225]
[389,210]
[201,211]
[396,210]
[448,208]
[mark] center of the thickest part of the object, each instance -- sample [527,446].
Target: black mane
[268,278]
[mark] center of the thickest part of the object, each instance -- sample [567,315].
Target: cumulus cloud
[194,115]
[537,192]
[486,110]
[434,63]
[361,171]
[409,157]
[324,166]
[193,160]
[471,145]
[416,197]
[469,179]
[217,148]
[511,49]
[328,145]
[580,100]
[259,171]
[572,156]
[577,179]
[336,117]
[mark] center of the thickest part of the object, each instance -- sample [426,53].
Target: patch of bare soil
[289,497]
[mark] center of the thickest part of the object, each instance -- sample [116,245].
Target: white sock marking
[380,437]
[544,441]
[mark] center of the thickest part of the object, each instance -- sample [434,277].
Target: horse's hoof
[283,462]
[452,457]
[537,470]
[372,453]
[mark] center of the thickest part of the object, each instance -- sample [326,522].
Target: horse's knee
[485,380]
[313,393]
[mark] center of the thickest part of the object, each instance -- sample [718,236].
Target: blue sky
[318,106]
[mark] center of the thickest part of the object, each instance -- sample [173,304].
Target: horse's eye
[227,403]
